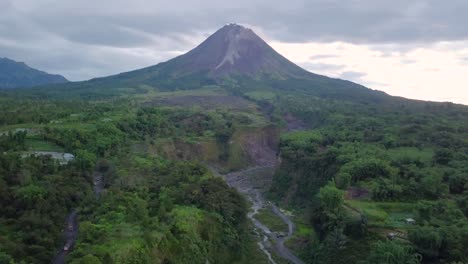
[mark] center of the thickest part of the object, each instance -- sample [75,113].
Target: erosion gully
[70,232]
[250,182]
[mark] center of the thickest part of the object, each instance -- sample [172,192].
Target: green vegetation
[366,169]
[155,208]
[155,217]
[363,163]
[383,214]
[390,252]
[35,143]
[261,95]
[272,221]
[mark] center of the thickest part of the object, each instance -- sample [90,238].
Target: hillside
[19,75]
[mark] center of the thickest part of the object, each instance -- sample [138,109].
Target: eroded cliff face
[260,145]
[247,147]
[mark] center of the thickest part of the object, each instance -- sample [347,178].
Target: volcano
[233,57]
[236,50]
[232,52]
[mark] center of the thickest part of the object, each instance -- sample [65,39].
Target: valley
[230,153]
[253,182]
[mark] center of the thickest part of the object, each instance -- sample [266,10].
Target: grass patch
[384,214]
[304,230]
[210,90]
[272,221]
[261,95]
[38,144]
[411,153]
[304,236]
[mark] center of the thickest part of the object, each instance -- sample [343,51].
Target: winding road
[250,182]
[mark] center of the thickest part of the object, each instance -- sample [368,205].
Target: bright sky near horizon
[416,49]
[436,73]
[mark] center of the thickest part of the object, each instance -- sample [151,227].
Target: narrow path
[250,182]
[98,183]
[71,233]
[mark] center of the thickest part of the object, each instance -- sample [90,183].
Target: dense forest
[365,184]
[152,209]
[386,184]
[229,153]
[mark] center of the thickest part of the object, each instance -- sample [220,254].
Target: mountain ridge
[14,74]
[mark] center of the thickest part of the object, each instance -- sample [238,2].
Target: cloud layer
[434,72]
[410,42]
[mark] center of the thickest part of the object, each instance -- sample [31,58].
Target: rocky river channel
[252,182]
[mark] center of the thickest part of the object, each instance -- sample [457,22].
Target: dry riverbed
[252,182]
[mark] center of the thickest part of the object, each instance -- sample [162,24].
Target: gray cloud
[464,61]
[375,85]
[352,76]
[84,39]
[322,56]
[358,78]
[320,67]
[408,61]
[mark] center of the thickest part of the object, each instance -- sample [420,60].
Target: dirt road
[71,233]
[71,224]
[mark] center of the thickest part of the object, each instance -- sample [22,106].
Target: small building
[61,157]
[410,221]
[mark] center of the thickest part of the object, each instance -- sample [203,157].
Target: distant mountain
[234,50]
[15,74]
[235,58]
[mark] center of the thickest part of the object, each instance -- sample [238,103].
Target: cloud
[352,76]
[464,60]
[322,56]
[408,61]
[392,73]
[392,42]
[363,21]
[321,67]
[369,21]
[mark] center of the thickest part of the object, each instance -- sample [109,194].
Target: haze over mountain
[15,74]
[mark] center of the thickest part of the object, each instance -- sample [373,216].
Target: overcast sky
[416,49]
